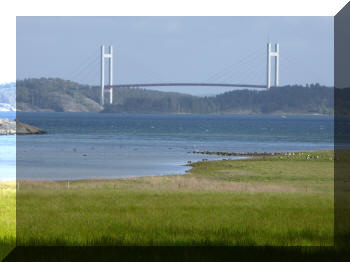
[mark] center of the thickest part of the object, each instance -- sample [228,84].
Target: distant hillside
[52,94]
[56,95]
[8,94]
[313,99]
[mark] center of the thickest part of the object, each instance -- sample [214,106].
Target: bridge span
[111,86]
[184,84]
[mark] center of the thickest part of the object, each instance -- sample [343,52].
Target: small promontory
[9,127]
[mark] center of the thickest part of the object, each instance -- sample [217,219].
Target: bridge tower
[110,57]
[275,54]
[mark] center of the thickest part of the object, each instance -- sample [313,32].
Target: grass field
[7,217]
[279,201]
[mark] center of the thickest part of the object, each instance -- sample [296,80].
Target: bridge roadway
[184,84]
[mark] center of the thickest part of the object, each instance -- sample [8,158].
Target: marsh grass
[274,201]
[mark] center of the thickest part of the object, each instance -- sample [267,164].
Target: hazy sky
[169,49]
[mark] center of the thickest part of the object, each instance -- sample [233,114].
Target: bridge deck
[185,84]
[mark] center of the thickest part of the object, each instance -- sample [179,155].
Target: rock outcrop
[9,127]
[240,153]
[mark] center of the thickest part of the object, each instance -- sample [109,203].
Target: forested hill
[52,94]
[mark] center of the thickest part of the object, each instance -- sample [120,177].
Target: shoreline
[249,156]
[159,113]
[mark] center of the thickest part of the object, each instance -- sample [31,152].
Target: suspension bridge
[272,55]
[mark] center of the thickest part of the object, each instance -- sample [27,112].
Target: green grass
[272,201]
[7,218]
[303,171]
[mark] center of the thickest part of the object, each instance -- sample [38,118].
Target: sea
[8,152]
[96,145]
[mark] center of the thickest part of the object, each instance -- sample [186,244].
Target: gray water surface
[93,145]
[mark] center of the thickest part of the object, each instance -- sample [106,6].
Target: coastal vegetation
[58,95]
[283,200]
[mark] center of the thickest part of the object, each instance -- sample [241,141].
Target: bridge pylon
[270,54]
[110,57]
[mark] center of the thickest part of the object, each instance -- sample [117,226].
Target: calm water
[8,152]
[92,145]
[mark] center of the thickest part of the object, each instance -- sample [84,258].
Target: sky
[176,49]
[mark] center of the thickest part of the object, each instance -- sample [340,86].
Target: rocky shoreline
[9,127]
[241,153]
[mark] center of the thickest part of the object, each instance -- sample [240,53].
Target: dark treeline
[342,101]
[52,94]
[313,99]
